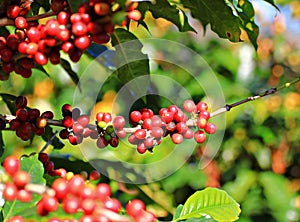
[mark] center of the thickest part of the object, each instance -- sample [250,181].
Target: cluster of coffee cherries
[77,127]
[27,122]
[15,181]
[34,43]
[73,194]
[171,121]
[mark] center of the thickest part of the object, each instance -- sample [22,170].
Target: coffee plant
[54,40]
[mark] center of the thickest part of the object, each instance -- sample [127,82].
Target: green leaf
[131,63]
[67,67]
[75,4]
[246,13]
[35,168]
[177,211]
[37,4]
[272,3]
[211,202]
[55,141]
[163,9]
[1,144]
[218,14]
[278,197]
[10,102]
[42,69]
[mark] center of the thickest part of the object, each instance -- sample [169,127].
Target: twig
[268,92]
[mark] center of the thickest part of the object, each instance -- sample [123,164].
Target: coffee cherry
[177,138]
[79,28]
[24,196]
[134,207]
[82,42]
[16,219]
[33,34]
[68,122]
[189,106]
[199,136]
[101,142]
[11,165]
[13,11]
[21,178]
[135,116]
[156,132]
[47,115]
[15,124]
[140,134]
[94,175]
[114,142]
[40,58]
[189,134]
[103,191]
[88,206]
[141,148]
[50,203]
[113,204]
[210,128]
[201,122]
[6,55]
[43,157]
[71,204]
[201,106]
[21,23]
[10,192]
[134,15]
[60,186]
[101,8]
[63,18]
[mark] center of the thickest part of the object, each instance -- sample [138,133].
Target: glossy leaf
[129,60]
[42,69]
[211,202]
[35,168]
[246,12]
[10,102]
[163,9]
[67,67]
[218,14]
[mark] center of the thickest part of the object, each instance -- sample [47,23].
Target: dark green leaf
[55,141]
[272,3]
[37,4]
[35,168]
[42,69]
[246,13]
[129,60]
[67,67]
[218,14]
[10,102]
[163,9]
[1,144]
[211,202]
[75,4]
[177,211]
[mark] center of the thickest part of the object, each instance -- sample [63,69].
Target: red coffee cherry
[10,192]
[11,165]
[21,179]
[21,23]
[134,207]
